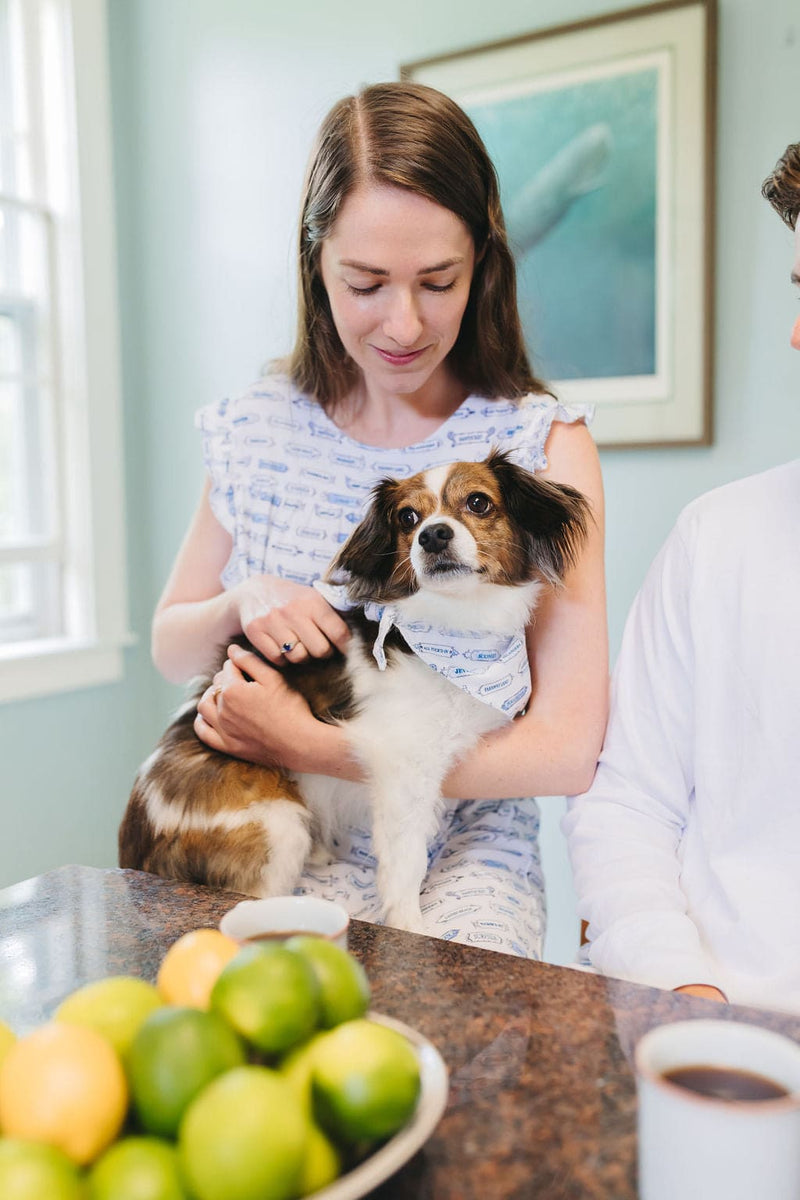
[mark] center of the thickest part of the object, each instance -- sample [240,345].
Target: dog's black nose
[434,538]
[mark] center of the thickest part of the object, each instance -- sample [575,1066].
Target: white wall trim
[91,412]
[34,669]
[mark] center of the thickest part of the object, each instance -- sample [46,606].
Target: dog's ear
[367,559]
[554,516]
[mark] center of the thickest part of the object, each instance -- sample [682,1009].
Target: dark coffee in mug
[726,1083]
[281,935]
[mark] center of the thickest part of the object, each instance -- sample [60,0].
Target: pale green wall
[215,103]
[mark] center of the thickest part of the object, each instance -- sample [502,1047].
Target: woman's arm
[195,617]
[552,750]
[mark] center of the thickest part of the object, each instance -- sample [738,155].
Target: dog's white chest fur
[412,725]
[409,711]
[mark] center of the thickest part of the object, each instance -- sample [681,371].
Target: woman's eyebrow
[442,266]
[382,271]
[359,266]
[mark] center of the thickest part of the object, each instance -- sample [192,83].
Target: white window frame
[89,406]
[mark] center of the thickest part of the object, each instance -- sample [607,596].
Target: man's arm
[625,832]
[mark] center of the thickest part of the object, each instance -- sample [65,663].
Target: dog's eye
[478,502]
[408,518]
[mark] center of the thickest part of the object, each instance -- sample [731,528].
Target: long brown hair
[782,187]
[410,136]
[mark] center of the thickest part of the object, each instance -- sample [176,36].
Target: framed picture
[602,133]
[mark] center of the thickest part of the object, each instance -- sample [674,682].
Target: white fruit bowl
[407,1141]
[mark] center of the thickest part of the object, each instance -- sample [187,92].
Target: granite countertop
[542,1099]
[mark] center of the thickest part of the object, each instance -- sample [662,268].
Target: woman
[409,353]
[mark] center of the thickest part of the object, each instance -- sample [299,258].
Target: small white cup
[692,1146]
[281,916]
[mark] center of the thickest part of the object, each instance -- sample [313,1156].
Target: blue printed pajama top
[289,487]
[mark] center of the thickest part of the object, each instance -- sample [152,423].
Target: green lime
[365,1081]
[33,1171]
[344,991]
[270,995]
[137,1168]
[296,1068]
[115,1007]
[176,1052]
[244,1138]
[322,1163]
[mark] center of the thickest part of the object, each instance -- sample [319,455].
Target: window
[62,587]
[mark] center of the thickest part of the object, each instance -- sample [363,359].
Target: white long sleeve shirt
[686,849]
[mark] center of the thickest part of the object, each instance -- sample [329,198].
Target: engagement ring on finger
[287,647]
[216,693]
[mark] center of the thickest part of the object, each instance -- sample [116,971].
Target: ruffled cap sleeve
[527,431]
[216,424]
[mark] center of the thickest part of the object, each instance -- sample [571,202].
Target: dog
[437,584]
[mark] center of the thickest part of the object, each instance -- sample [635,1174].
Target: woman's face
[397,269]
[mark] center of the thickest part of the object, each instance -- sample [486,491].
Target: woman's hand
[288,621]
[195,616]
[250,712]
[704,991]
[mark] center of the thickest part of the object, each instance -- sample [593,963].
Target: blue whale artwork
[578,172]
[573,171]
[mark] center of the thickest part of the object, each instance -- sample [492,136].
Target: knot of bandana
[491,667]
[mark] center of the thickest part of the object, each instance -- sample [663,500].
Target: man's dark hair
[782,187]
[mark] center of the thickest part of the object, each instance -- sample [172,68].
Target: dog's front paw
[406,917]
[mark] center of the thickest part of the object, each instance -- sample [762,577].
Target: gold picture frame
[602,132]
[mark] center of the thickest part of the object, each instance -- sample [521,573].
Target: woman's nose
[795,339]
[402,322]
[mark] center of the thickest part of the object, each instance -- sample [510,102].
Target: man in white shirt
[686,849]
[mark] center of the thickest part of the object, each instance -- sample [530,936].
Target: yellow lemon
[7,1039]
[63,1085]
[115,1007]
[244,1138]
[365,1081]
[191,966]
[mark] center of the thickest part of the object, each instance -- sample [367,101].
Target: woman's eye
[407,518]
[362,291]
[440,287]
[479,503]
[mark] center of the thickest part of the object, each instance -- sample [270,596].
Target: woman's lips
[399,360]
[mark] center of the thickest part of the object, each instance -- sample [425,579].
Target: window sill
[43,668]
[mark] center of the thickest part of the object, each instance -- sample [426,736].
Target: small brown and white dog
[443,572]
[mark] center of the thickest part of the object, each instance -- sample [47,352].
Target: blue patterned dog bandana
[492,667]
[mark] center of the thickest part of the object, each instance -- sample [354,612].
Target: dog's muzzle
[435,538]
[440,555]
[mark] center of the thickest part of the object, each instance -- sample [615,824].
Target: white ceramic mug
[693,1147]
[282,916]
